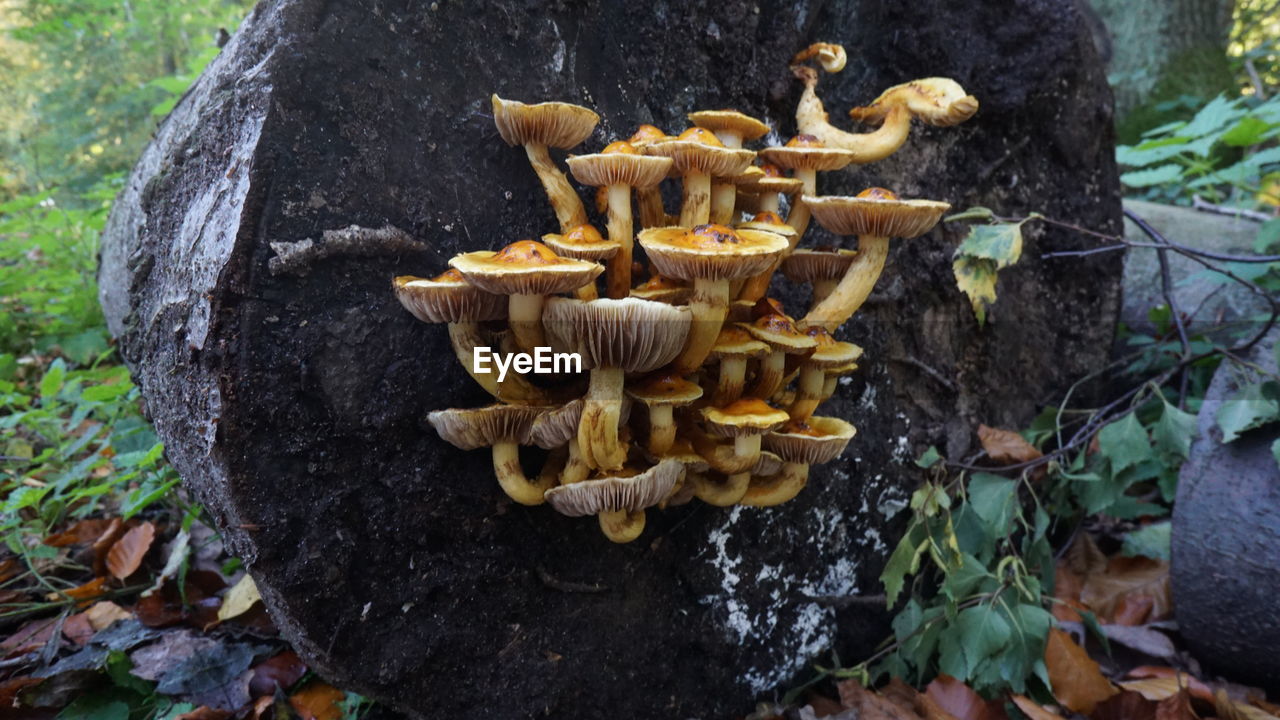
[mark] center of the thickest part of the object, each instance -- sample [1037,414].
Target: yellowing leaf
[1077,681]
[102,614]
[976,277]
[239,598]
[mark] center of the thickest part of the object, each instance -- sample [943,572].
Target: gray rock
[1222,310]
[1226,537]
[292,402]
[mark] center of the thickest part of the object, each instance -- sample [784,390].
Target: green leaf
[908,620]
[1155,176]
[930,458]
[103,393]
[1217,114]
[976,212]
[94,707]
[1269,156]
[962,581]
[1001,242]
[1173,432]
[1148,541]
[904,560]
[980,632]
[1124,442]
[1095,628]
[1246,132]
[1249,409]
[1268,238]
[52,381]
[1275,451]
[976,277]
[993,499]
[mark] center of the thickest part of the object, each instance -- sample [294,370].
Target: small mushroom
[527,271]
[833,378]
[711,256]
[875,215]
[831,56]
[756,286]
[583,243]
[768,184]
[723,490]
[829,354]
[694,465]
[620,167]
[806,156]
[559,428]
[649,199]
[614,337]
[731,128]
[504,428]
[698,155]
[663,289]
[822,268]
[537,127]
[662,394]
[449,298]
[800,445]
[784,338]
[744,421]
[734,347]
[619,501]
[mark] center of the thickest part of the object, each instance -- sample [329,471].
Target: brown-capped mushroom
[734,347]
[662,394]
[711,256]
[620,167]
[583,243]
[527,271]
[800,445]
[698,155]
[828,355]
[504,428]
[780,333]
[449,298]
[619,500]
[537,127]
[744,421]
[874,215]
[614,337]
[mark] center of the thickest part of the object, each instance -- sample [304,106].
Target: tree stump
[292,400]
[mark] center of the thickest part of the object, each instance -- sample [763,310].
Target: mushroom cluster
[686,368]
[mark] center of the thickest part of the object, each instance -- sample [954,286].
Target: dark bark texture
[1226,537]
[293,403]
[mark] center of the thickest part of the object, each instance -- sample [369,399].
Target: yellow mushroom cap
[613,494]
[632,334]
[582,243]
[747,416]
[692,156]
[814,265]
[734,342]
[780,333]
[935,100]
[663,289]
[448,298]
[768,222]
[665,389]
[710,252]
[745,126]
[808,157]
[526,267]
[554,124]
[812,442]
[647,134]
[617,168]
[472,428]
[874,216]
[830,353]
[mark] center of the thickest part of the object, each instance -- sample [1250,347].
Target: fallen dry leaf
[958,699]
[1084,558]
[1261,703]
[78,629]
[33,635]
[1177,707]
[317,701]
[84,532]
[126,555]
[104,543]
[1006,446]
[1033,709]
[1157,683]
[1129,577]
[1132,610]
[205,713]
[1125,705]
[84,593]
[239,599]
[102,614]
[1143,638]
[1077,681]
[870,705]
[281,671]
[905,696]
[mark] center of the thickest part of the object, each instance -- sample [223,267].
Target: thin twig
[555,583]
[931,372]
[1203,205]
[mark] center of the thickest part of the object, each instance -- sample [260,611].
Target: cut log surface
[291,389]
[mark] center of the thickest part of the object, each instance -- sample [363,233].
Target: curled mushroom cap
[748,416]
[876,215]
[616,494]
[554,124]
[831,56]
[448,298]
[935,100]
[813,442]
[712,252]
[526,267]
[583,242]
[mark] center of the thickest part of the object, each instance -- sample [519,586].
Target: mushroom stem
[696,206]
[622,526]
[821,289]
[723,197]
[514,388]
[808,394]
[709,305]
[769,380]
[662,428]
[598,427]
[769,202]
[564,199]
[829,386]
[587,292]
[652,212]
[518,487]
[575,470]
[777,489]
[812,119]
[854,287]
[746,449]
[621,230]
[721,493]
[798,219]
[733,371]
[524,315]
